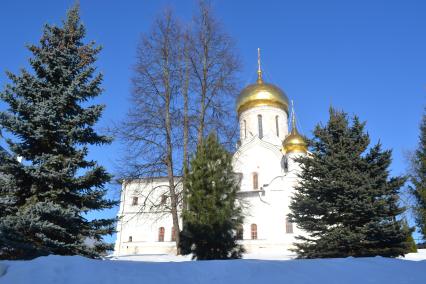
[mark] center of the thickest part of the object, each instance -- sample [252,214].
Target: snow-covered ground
[76,269]
[180,258]
[420,255]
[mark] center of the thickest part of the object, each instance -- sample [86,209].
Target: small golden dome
[261,94]
[294,142]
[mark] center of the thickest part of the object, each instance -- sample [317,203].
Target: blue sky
[367,57]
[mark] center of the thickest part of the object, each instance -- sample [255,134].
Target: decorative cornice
[258,103]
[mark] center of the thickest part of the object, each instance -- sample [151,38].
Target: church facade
[265,163]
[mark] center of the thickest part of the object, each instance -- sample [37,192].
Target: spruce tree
[418,179]
[346,202]
[44,200]
[213,214]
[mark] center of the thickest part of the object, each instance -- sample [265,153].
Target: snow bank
[75,269]
[416,256]
[3,269]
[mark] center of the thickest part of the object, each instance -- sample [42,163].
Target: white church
[264,161]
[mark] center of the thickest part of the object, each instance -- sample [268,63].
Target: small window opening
[260,126]
[255,181]
[253,231]
[288,226]
[173,234]
[277,128]
[135,201]
[161,234]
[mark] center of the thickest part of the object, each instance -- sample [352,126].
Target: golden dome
[261,94]
[294,142]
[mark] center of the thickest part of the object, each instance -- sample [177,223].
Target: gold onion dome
[261,94]
[294,142]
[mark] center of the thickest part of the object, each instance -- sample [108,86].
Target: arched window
[163,199]
[260,126]
[240,232]
[245,129]
[277,126]
[285,164]
[130,239]
[135,201]
[173,234]
[288,226]
[161,234]
[253,231]
[255,181]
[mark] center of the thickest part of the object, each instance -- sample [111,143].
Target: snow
[179,258]
[3,268]
[176,270]
[419,255]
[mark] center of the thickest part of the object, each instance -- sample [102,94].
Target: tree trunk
[185,123]
[169,148]
[202,115]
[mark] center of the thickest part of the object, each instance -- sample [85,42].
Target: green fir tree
[346,201]
[44,200]
[418,179]
[213,214]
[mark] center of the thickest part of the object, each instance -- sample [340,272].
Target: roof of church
[261,94]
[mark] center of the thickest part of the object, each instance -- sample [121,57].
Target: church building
[264,160]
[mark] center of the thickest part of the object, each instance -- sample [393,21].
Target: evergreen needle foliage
[418,179]
[44,199]
[346,201]
[213,215]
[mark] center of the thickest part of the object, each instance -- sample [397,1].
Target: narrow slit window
[135,201]
[161,234]
[260,126]
[255,181]
[277,128]
[245,129]
[163,199]
[288,226]
[240,232]
[173,234]
[253,231]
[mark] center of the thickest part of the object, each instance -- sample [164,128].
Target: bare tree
[150,130]
[214,68]
[184,86]
[186,115]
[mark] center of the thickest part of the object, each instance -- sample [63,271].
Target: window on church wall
[285,164]
[260,126]
[277,126]
[173,238]
[163,199]
[161,234]
[135,201]
[253,231]
[240,232]
[255,181]
[288,226]
[130,239]
[245,129]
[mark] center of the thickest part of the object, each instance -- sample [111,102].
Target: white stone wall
[267,206]
[141,222]
[248,122]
